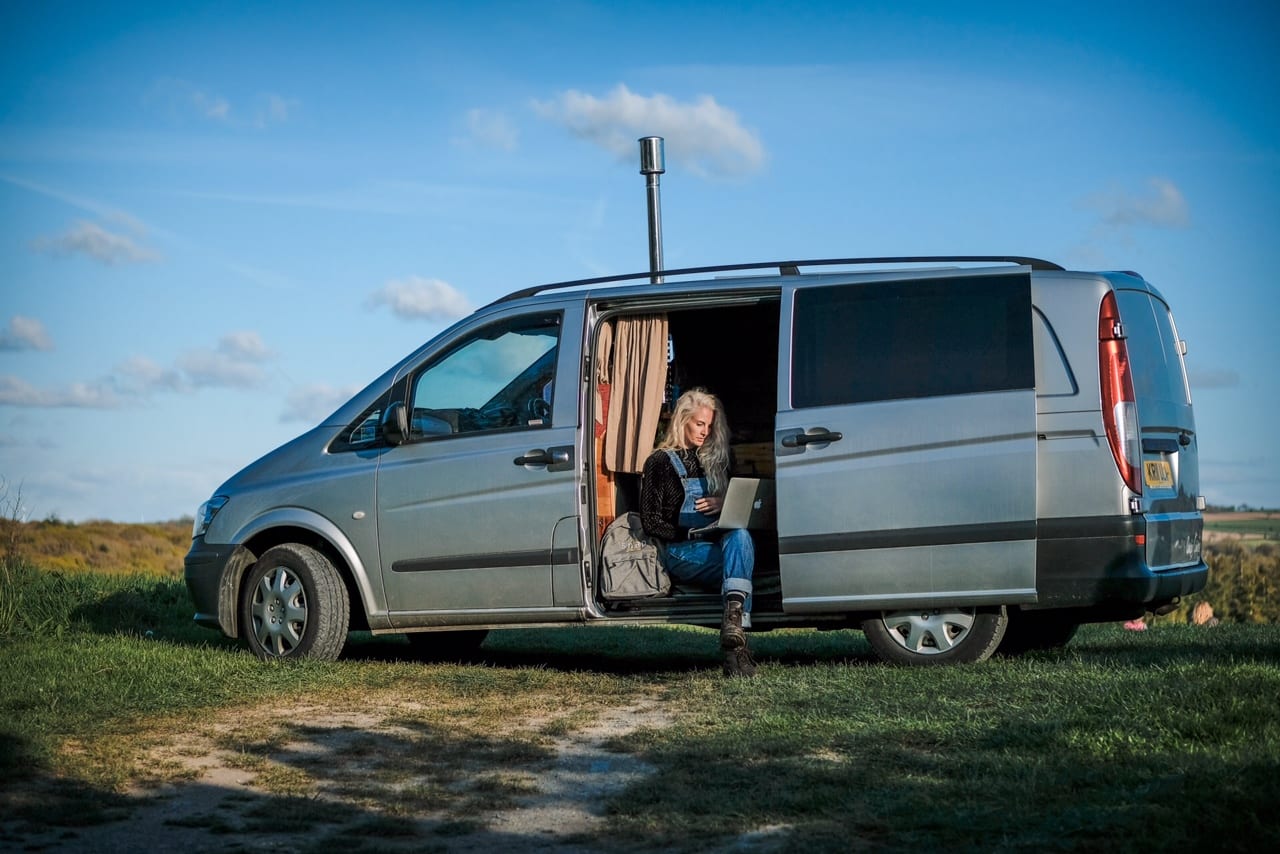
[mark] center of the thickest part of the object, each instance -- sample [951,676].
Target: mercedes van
[970,454]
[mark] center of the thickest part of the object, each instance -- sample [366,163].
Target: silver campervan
[969,454]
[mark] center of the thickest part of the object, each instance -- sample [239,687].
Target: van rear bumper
[1097,562]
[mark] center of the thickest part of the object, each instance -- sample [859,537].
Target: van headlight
[204,516]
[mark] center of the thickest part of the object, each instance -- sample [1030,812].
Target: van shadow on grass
[1110,646]
[157,609]
[627,650]
[161,610]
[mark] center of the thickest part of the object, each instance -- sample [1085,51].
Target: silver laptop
[748,503]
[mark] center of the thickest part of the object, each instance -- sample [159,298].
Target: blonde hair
[714,453]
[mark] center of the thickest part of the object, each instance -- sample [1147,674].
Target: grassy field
[1164,739]
[109,548]
[1257,525]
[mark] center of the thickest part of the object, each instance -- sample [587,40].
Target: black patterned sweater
[661,493]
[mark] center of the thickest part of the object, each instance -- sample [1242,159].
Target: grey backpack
[631,562]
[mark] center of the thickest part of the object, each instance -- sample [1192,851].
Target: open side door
[906,442]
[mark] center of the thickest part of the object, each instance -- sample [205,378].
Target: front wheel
[294,605]
[936,636]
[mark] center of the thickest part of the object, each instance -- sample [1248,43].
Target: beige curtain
[636,385]
[603,364]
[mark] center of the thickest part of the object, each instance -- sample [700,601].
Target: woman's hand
[709,505]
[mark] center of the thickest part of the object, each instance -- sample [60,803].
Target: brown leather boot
[738,663]
[731,634]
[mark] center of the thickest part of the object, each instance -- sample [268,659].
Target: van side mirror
[395,424]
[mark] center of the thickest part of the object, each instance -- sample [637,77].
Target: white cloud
[314,402]
[1163,206]
[97,395]
[274,109]
[26,439]
[244,346]
[16,392]
[25,333]
[236,362]
[182,98]
[87,238]
[705,137]
[206,368]
[212,106]
[417,297]
[491,129]
[140,375]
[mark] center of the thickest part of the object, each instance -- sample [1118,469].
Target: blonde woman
[683,488]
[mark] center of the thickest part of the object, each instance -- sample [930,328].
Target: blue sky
[219,220]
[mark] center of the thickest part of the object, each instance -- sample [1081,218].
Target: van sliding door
[905,442]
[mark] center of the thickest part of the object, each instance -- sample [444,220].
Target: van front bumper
[211,586]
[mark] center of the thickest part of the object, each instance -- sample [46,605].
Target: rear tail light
[1119,404]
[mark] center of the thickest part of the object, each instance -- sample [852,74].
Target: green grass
[1267,529]
[1165,739]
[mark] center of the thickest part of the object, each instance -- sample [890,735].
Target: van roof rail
[786,268]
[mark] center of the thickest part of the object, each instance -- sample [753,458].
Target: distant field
[112,548]
[1253,525]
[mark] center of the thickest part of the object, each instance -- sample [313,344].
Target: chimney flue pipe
[651,166]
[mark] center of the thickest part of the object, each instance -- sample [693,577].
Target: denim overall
[704,562]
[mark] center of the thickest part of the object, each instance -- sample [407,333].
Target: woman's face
[698,427]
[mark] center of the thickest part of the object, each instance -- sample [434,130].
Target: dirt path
[366,780]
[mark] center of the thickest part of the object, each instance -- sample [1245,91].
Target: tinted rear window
[1154,351]
[917,338]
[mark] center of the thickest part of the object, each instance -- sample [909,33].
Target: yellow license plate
[1157,473]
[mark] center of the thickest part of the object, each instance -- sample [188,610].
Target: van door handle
[555,459]
[537,457]
[801,439]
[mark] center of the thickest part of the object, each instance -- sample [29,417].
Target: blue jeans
[707,562]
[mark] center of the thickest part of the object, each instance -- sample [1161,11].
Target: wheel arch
[295,525]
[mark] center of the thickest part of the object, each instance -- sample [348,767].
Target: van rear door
[1170,477]
[906,441]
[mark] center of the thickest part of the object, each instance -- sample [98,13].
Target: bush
[1243,586]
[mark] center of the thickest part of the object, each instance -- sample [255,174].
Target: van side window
[501,377]
[362,433]
[907,339]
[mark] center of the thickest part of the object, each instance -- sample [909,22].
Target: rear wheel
[294,605]
[936,636]
[1029,631]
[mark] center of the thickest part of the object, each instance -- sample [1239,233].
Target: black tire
[929,637]
[294,605]
[461,645]
[1033,631]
